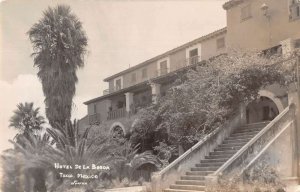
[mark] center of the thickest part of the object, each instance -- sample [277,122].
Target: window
[295,10]
[118,84]
[297,43]
[193,56]
[246,13]
[133,77]
[220,43]
[194,53]
[144,73]
[163,67]
[95,108]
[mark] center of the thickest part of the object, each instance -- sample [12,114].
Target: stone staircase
[194,180]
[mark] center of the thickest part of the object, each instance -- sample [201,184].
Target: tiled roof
[200,39]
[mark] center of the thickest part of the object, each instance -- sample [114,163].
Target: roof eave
[200,39]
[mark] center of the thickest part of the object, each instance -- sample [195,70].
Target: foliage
[39,153]
[166,152]
[207,97]
[263,172]
[261,178]
[11,166]
[73,148]
[30,149]
[126,161]
[26,118]
[66,145]
[59,45]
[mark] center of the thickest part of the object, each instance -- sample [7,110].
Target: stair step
[229,150]
[236,141]
[222,153]
[223,160]
[199,173]
[188,187]
[192,177]
[209,164]
[225,148]
[247,130]
[234,137]
[204,168]
[190,182]
[180,190]
[231,145]
[218,156]
[260,124]
[250,134]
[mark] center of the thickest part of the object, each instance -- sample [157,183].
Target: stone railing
[264,150]
[171,173]
[256,144]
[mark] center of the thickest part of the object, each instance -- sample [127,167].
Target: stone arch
[272,96]
[117,125]
[265,108]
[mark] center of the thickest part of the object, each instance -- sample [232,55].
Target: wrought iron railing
[192,60]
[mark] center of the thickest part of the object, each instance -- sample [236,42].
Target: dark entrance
[263,109]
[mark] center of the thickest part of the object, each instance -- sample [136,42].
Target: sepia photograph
[150,95]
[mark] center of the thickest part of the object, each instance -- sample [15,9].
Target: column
[294,98]
[243,118]
[287,47]
[155,90]
[129,101]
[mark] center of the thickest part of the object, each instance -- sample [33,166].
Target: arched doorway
[261,110]
[117,130]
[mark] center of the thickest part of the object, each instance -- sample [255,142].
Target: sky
[120,34]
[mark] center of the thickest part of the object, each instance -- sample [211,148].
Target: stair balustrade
[256,144]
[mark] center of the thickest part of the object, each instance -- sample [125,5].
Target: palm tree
[26,119]
[59,45]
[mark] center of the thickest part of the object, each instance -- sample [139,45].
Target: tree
[26,119]
[59,45]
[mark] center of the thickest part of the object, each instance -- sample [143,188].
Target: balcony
[94,119]
[117,113]
[121,113]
